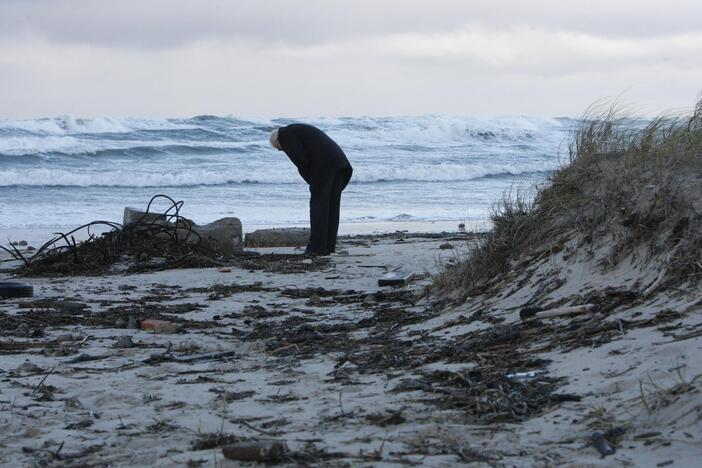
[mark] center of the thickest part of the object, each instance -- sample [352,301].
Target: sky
[271,58]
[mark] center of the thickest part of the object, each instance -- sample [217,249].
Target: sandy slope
[344,377]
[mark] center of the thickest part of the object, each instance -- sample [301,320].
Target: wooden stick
[51,371]
[531,313]
[659,279]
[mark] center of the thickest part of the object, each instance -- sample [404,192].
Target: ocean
[57,173]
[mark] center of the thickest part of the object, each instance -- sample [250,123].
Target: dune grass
[627,183]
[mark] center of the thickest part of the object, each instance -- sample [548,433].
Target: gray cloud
[332,57]
[173,23]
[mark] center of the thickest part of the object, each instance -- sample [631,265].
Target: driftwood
[535,313]
[653,286]
[260,451]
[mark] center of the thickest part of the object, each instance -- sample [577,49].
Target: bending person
[323,165]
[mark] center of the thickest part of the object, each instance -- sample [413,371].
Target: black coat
[318,158]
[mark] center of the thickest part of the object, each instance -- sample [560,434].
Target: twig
[294,345]
[51,371]
[687,336]
[261,431]
[529,313]
[204,357]
[659,279]
[56,453]
[87,357]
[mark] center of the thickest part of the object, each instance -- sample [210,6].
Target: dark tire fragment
[10,289]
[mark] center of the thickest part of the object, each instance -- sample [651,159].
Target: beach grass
[627,183]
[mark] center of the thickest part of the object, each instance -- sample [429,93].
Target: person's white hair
[274,139]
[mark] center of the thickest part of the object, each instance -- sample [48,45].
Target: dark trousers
[325,202]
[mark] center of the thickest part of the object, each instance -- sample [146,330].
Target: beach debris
[280,263]
[601,444]
[166,356]
[211,440]
[28,367]
[314,300]
[446,246]
[156,241]
[229,397]
[537,313]
[222,237]
[257,451]
[656,283]
[278,237]
[160,326]
[87,358]
[63,306]
[69,337]
[391,418]
[9,289]
[396,278]
[22,331]
[73,403]
[524,376]
[124,342]
[81,424]
[132,323]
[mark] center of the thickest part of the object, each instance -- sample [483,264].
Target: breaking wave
[48,177]
[428,167]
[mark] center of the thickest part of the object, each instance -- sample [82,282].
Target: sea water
[56,173]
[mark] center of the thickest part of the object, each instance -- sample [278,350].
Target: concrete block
[278,237]
[223,237]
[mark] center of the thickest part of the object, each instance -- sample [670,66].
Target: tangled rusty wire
[166,237]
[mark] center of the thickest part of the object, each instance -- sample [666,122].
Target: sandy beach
[350,234]
[35,237]
[314,354]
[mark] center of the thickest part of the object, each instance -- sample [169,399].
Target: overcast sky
[273,58]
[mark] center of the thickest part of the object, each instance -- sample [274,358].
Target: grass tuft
[628,183]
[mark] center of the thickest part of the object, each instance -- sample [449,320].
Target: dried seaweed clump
[155,241]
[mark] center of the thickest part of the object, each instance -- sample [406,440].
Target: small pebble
[28,367]
[315,300]
[123,342]
[73,403]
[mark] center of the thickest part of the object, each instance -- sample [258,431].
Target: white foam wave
[70,145]
[80,136]
[67,125]
[277,175]
[432,129]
